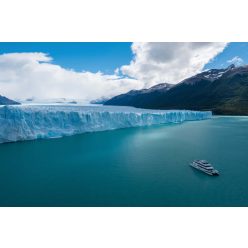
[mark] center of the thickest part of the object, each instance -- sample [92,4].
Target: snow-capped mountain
[223,91]
[100,100]
[133,96]
[158,87]
[211,75]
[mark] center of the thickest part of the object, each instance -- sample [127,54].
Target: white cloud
[236,61]
[170,62]
[24,75]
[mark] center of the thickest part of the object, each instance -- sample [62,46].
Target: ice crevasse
[43,121]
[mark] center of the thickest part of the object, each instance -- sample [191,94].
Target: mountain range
[223,91]
[6,101]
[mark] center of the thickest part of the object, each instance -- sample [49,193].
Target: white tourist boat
[205,167]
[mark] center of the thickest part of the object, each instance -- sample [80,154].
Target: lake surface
[143,166]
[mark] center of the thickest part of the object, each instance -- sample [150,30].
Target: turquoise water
[144,166]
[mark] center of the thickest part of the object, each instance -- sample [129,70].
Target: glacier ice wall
[51,121]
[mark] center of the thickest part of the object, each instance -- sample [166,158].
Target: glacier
[28,122]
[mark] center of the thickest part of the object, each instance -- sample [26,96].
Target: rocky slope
[223,91]
[6,101]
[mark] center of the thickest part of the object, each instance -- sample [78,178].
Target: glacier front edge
[28,122]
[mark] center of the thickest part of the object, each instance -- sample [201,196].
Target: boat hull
[210,173]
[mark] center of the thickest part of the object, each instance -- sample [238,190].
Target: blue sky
[234,49]
[26,69]
[83,56]
[106,56]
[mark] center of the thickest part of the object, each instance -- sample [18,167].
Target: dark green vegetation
[6,101]
[223,91]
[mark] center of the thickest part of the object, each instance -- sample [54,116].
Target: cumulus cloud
[236,61]
[170,62]
[24,75]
